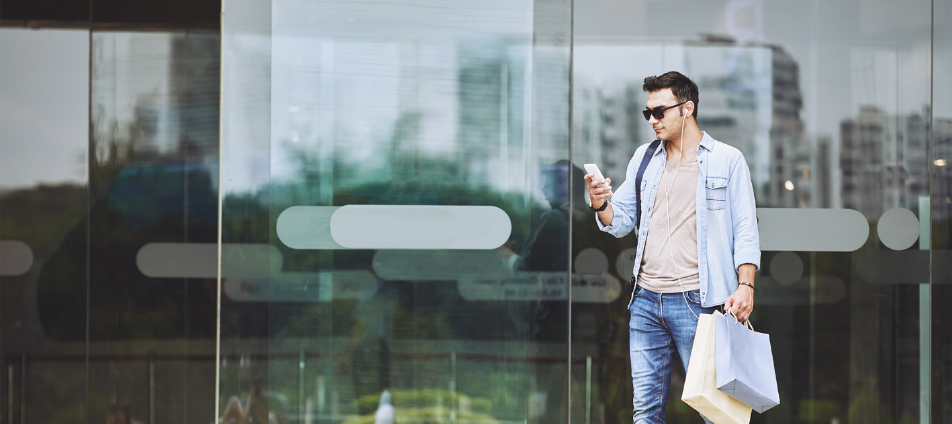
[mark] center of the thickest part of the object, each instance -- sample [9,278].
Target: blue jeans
[660,323]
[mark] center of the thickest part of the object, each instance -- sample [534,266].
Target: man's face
[669,127]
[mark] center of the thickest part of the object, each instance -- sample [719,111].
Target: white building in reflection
[482,111]
[750,98]
[883,160]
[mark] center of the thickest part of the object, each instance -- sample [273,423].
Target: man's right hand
[598,195]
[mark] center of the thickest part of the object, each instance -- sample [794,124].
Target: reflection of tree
[131,206]
[41,216]
[47,218]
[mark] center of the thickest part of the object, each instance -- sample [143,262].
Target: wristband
[604,205]
[743,283]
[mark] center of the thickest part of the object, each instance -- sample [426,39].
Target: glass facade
[289,211]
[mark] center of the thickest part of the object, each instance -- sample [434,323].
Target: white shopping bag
[700,384]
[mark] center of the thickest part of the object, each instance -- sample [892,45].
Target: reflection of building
[942,172]
[861,142]
[494,108]
[442,122]
[750,98]
[789,149]
[824,173]
[484,132]
[608,126]
[755,106]
[883,160]
[914,151]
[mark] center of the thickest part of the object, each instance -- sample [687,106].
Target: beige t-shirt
[657,272]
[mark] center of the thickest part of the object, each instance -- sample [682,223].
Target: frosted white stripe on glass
[16,258]
[523,286]
[811,230]
[199,260]
[420,227]
[307,227]
[437,265]
[898,229]
[323,286]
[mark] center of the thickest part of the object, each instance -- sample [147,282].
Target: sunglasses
[658,112]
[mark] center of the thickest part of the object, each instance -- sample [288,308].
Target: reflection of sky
[44,104]
[370,86]
[850,53]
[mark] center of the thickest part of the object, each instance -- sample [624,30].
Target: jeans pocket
[716,188]
[694,296]
[636,292]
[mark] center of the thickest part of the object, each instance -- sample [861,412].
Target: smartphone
[592,168]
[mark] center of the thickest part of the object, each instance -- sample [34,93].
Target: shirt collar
[707,142]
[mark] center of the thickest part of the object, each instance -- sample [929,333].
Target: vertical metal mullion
[454,399]
[89,162]
[925,291]
[185,194]
[10,386]
[301,371]
[568,282]
[23,389]
[588,389]
[811,367]
[152,388]
[221,198]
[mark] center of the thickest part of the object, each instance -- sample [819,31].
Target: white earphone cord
[667,189]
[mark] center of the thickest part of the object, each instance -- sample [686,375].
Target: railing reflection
[311,407]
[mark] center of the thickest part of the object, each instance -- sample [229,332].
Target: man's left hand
[741,303]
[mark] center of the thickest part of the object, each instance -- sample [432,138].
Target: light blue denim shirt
[726,214]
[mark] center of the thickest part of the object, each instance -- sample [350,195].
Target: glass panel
[830,104]
[44,115]
[940,297]
[153,193]
[108,173]
[402,170]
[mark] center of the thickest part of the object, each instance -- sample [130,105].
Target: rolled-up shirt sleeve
[624,201]
[744,213]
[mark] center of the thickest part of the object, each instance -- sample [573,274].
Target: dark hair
[681,86]
[558,176]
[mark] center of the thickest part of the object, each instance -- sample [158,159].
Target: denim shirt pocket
[716,188]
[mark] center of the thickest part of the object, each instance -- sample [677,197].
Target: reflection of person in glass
[367,355]
[546,249]
[698,246]
[255,410]
[121,415]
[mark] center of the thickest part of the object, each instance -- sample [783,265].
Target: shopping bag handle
[747,323]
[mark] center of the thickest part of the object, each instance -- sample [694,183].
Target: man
[698,246]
